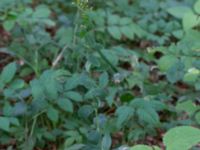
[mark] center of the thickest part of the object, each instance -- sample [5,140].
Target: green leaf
[126,96]
[115,32]
[190,20]
[8,72]
[65,104]
[113,19]
[176,72]
[191,76]
[197,6]
[103,79]
[127,31]
[61,35]
[187,106]
[148,115]
[137,30]
[37,89]
[85,111]
[144,147]
[178,11]
[166,62]
[41,11]
[125,21]
[53,114]
[75,96]
[69,141]
[124,113]
[181,138]
[197,117]
[106,142]
[8,24]
[14,121]
[72,82]
[5,124]
[50,84]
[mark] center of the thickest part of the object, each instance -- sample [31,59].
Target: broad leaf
[75,96]
[181,138]
[190,20]
[115,32]
[106,142]
[41,11]
[166,62]
[127,31]
[9,24]
[5,124]
[103,79]
[178,11]
[197,6]
[65,104]
[53,114]
[113,19]
[37,89]
[8,72]
[124,113]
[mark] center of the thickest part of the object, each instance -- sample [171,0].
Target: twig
[59,57]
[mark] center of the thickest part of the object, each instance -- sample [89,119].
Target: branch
[59,57]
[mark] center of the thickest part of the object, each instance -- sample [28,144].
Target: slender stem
[35,121]
[59,57]
[76,27]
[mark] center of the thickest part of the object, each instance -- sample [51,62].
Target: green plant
[99,75]
[183,137]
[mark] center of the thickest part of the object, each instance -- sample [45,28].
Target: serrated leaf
[125,21]
[197,6]
[176,72]
[137,30]
[69,141]
[85,111]
[37,89]
[190,20]
[106,142]
[14,121]
[41,11]
[72,82]
[48,80]
[19,108]
[127,31]
[178,11]
[53,114]
[111,96]
[115,32]
[8,24]
[103,79]
[187,106]
[167,61]
[191,76]
[148,115]
[124,113]
[183,138]
[5,124]
[113,19]
[197,117]
[61,35]
[8,72]
[65,105]
[75,96]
